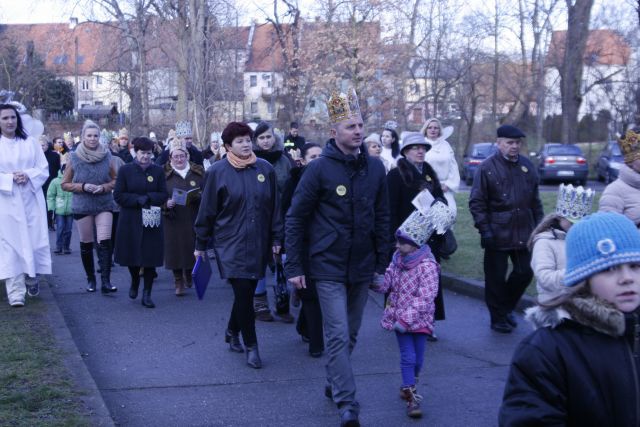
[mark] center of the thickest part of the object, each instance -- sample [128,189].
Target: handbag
[281,290]
[448,244]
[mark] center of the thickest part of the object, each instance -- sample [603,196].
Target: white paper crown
[183,128]
[342,106]
[574,202]
[419,227]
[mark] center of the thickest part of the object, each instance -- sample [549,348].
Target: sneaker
[66,251]
[432,337]
[58,251]
[17,304]
[33,289]
[413,401]
[285,317]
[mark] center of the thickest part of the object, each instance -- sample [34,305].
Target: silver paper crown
[391,124]
[419,227]
[183,128]
[574,202]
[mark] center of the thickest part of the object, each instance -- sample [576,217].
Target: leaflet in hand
[182,197]
[423,201]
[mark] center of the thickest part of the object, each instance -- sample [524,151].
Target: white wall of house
[260,89]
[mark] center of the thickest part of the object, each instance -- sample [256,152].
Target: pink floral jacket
[411,297]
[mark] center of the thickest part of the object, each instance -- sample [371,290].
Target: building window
[254,108]
[312,103]
[253,81]
[98,80]
[98,103]
[270,108]
[85,84]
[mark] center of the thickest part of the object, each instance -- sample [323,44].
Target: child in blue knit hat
[581,366]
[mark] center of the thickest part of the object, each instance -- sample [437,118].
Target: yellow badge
[150,178]
[192,183]
[341,190]
[524,169]
[260,177]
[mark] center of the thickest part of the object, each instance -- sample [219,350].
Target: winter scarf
[91,156]
[240,163]
[407,262]
[270,156]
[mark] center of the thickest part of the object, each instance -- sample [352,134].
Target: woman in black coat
[240,211]
[140,191]
[410,177]
[309,324]
[53,159]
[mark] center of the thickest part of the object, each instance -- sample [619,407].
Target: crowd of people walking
[339,218]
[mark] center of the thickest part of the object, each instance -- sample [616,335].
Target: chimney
[73,22]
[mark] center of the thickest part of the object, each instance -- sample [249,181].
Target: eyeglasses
[179,157]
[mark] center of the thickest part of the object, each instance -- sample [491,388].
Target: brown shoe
[413,401]
[179,286]
[261,308]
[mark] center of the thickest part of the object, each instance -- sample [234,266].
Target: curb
[475,289]
[90,396]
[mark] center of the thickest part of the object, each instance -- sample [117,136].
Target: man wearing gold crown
[623,195]
[184,134]
[337,236]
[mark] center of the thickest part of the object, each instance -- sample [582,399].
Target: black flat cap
[511,132]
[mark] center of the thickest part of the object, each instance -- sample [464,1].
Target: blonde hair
[89,124]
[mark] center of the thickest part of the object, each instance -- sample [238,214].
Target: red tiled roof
[604,47]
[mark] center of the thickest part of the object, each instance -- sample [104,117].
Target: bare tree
[571,70]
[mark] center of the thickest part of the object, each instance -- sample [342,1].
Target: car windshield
[482,150]
[564,150]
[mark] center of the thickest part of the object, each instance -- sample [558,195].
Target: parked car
[609,162]
[479,152]
[562,162]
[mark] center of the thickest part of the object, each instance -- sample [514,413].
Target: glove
[487,242]
[399,327]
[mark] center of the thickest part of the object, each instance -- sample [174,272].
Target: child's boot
[413,401]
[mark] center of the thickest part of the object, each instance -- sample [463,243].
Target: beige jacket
[623,195]
[548,261]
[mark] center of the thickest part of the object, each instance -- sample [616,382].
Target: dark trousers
[502,293]
[242,317]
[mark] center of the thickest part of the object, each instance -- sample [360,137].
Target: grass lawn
[34,385]
[467,261]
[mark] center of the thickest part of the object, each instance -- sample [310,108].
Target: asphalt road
[169,366]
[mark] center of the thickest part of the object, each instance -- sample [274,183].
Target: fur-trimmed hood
[193,167]
[588,311]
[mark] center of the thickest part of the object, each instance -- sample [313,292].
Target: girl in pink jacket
[412,282]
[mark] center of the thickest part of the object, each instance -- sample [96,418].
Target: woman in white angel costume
[24,239]
[442,159]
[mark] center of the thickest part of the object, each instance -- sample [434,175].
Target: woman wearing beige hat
[184,187]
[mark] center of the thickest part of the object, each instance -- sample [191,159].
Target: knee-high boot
[148,276]
[86,254]
[135,282]
[104,260]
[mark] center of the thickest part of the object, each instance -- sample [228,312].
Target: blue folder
[201,275]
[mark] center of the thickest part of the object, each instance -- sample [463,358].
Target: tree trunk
[572,67]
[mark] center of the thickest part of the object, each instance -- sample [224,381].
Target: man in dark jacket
[506,207]
[294,141]
[340,208]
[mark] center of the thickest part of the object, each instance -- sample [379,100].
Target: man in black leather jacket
[506,207]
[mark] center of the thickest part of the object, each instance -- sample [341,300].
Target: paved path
[169,366]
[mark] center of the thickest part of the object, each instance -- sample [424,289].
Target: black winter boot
[253,356]
[104,260]
[135,282]
[86,255]
[148,285]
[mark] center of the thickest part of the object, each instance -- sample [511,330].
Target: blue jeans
[64,225]
[342,306]
[411,356]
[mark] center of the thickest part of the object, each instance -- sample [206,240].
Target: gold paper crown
[67,137]
[630,146]
[342,107]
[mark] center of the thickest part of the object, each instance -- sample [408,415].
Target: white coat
[443,161]
[24,238]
